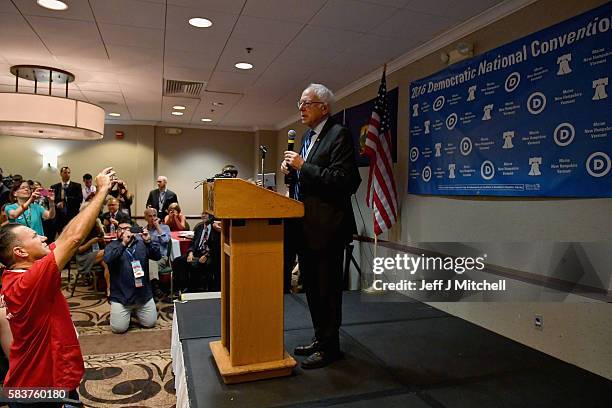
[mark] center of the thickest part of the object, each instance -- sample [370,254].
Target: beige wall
[198,154]
[130,157]
[578,332]
[144,153]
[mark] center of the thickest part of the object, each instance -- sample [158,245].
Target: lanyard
[162,198]
[130,254]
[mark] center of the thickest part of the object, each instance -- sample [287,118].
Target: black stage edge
[398,353]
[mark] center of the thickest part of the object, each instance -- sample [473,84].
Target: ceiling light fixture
[218,103]
[200,22]
[243,65]
[178,113]
[47,116]
[206,120]
[52,4]
[178,107]
[114,114]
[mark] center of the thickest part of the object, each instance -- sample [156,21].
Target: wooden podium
[252,339]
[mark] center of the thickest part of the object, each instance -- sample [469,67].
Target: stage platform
[398,353]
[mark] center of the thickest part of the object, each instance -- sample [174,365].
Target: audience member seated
[201,268]
[26,210]
[175,218]
[91,252]
[161,234]
[127,258]
[121,193]
[113,217]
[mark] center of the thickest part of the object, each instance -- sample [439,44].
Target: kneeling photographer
[130,288]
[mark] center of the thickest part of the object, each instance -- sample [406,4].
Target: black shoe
[306,350]
[321,359]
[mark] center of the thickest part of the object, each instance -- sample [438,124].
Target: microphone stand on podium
[263,150]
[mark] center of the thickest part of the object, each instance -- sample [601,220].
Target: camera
[44,192]
[135,229]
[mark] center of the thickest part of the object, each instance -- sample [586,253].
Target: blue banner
[356,119]
[530,118]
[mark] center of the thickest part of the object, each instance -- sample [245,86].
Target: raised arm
[70,239]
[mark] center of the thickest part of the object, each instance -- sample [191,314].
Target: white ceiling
[122,50]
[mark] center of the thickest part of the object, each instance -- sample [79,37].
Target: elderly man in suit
[68,199]
[161,198]
[327,176]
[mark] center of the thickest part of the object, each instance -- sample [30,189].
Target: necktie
[204,238]
[303,152]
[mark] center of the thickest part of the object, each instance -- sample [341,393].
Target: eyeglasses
[306,104]
[123,228]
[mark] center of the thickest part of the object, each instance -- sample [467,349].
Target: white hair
[323,93]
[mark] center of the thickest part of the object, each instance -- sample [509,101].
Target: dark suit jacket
[121,218]
[327,180]
[153,202]
[214,245]
[72,199]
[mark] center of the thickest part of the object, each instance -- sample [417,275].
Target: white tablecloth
[178,366]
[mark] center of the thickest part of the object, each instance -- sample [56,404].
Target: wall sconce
[462,50]
[49,159]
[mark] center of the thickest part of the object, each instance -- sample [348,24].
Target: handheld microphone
[290,139]
[289,178]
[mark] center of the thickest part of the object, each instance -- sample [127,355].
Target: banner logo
[564,134]
[536,103]
[487,170]
[508,140]
[426,174]
[466,146]
[535,163]
[439,103]
[414,154]
[598,164]
[512,82]
[600,89]
[451,121]
[563,62]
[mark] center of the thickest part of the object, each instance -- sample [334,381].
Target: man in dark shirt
[161,198]
[113,217]
[130,288]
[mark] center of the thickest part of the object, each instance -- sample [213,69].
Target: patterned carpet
[113,377]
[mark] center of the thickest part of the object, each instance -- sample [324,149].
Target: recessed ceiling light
[178,113]
[115,114]
[243,65]
[218,103]
[52,4]
[206,120]
[178,107]
[200,22]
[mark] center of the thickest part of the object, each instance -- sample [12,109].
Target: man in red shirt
[45,351]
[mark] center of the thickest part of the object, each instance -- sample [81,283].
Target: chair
[93,271]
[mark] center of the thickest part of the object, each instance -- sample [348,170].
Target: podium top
[233,198]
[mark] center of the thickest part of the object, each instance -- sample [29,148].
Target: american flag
[382,193]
